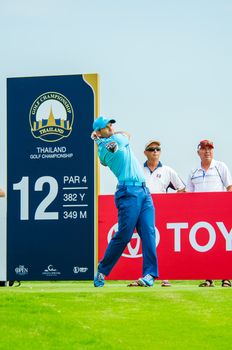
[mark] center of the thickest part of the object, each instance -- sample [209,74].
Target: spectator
[210,176]
[159,177]
[5,283]
[2,194]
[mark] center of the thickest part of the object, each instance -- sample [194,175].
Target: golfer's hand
[94,136]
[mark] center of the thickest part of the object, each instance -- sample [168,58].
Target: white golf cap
[152,141]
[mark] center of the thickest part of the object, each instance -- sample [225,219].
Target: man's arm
[123,133]
[190,186]
[225,176]
[2,193]
[176,181]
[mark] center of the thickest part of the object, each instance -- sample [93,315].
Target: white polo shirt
[216,179]
[162,178]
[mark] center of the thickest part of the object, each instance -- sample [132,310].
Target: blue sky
[164,65]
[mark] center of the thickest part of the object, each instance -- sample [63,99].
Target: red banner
[193,233]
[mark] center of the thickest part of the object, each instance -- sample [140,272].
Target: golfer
[133,201]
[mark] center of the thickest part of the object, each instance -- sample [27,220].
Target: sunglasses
[152,149]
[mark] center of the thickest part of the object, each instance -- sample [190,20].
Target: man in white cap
[133,201]
[211,176]
[159,177]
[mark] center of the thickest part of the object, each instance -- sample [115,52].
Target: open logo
[51,117]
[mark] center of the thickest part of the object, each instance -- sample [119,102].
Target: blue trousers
[135,209]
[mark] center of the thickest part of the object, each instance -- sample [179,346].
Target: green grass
[75,315]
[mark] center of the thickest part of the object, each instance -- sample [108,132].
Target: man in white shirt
[159,177]
[5,283]
[210,176]
[2,194]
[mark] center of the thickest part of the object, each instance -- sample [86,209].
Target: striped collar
[212,165]
[159,165]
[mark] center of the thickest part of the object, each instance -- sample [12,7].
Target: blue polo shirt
[122,163]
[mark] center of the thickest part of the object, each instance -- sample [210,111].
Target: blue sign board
[51,177]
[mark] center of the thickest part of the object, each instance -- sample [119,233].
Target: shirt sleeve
[176,180]
[121,139]
[225,174]
[190,186]
[104,154]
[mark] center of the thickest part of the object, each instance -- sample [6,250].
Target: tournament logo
[51,117]
[77,269]
[51,271]
[21,270]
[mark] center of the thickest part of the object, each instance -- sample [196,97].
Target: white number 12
[40,214]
